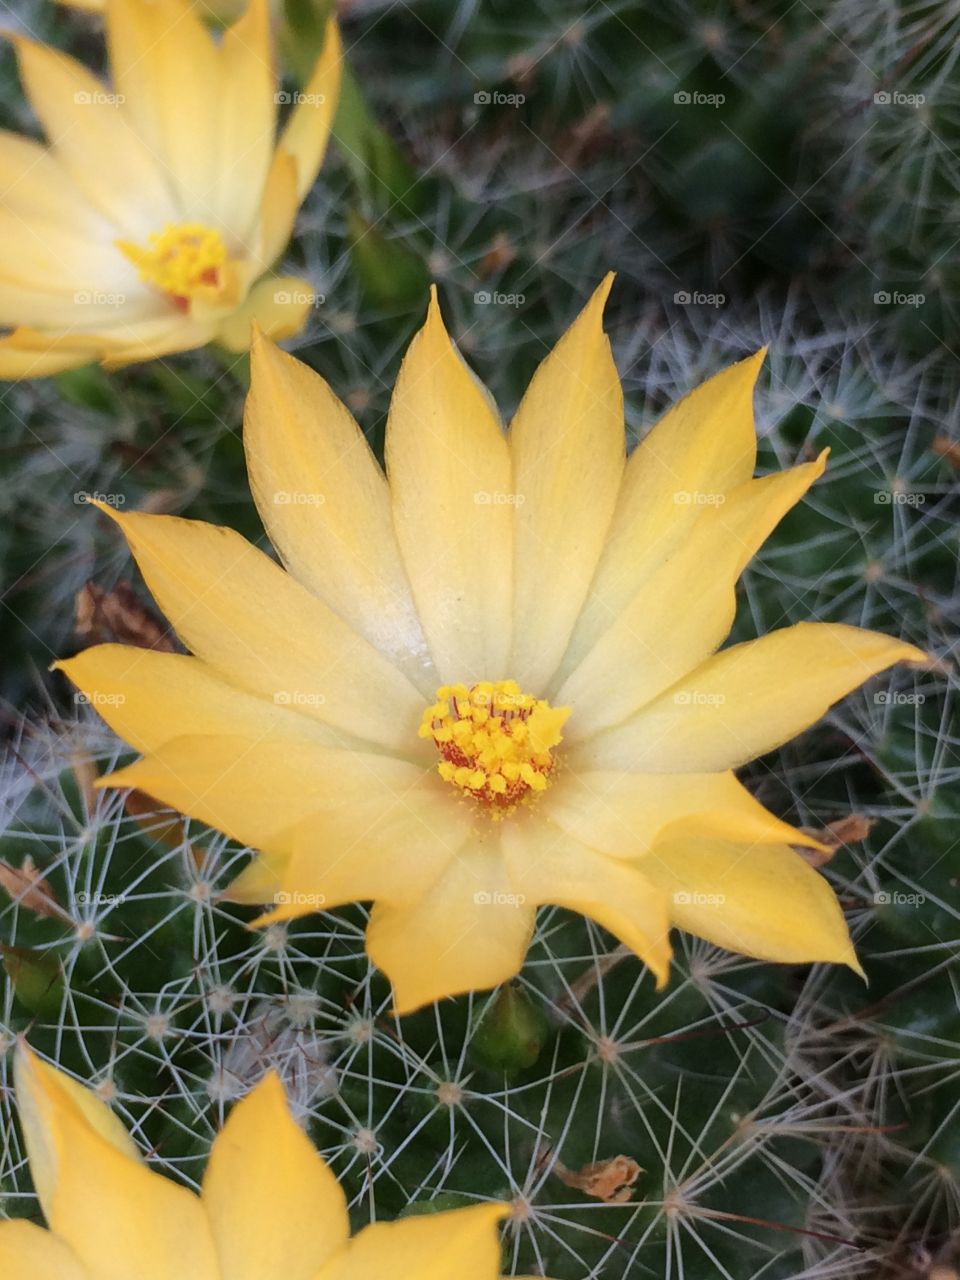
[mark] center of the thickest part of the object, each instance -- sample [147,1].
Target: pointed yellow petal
[450,475]
[260,629]
[40,1090]
[762,900]
[150,698]
[90,134]
[684,610]
[745,700]
[567,444]
[278,211]
[176,114]
[246,123]
[468,932]
[276,1211]
[623,814]
[27,1252]
[703,447]
[307,131]
[548,866]
[36,185]
[119,1219]
[302,443]
[361,826]
[17,363]
[461,1243]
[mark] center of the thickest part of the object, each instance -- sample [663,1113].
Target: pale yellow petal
[174,111]
[684,610]
[623,814]
[27,1252]
[40,1089]
[151,698]
[35,185]
[567,445]
[240,613]
[307,131]
[468,932]
[703,447]
[276,1210]
[325,504]
[745,701]
[119,1219]
[546,865]
[17,364]
[460,1243]
[278,210]
[759,900]
[450,476]
[276,305]
[92,138]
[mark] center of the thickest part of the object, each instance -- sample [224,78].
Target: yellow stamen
[184,261]
[496,743]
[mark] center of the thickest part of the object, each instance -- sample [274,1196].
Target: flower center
[184,261]
[495,742]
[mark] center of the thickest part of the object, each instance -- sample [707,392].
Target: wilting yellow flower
[269,1209]
[491,683]
[150,221]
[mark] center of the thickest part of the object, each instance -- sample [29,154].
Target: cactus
[752,1120]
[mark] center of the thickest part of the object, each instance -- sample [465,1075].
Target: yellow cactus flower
[269,1207]
[491,681]
[150,221]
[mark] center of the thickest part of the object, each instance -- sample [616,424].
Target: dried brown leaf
[117,616]
[27,887]
[608,1180]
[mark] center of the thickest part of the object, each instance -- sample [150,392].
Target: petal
[276,305]
[336,826]
[278,211]
[459,1242]
[175,114]
[17,363]
[704,446]
[450,476]
[276,1211]
[40,1089]
[254,624]
[247,121]
[27,1252]
[36,185]
[151,698]
[567,444]
[93,140]
[119,1219]
[307,131]
[622,814]
[548,866]
[745,701]
[302,443]
[761,900]
[685,608]
[468,932]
